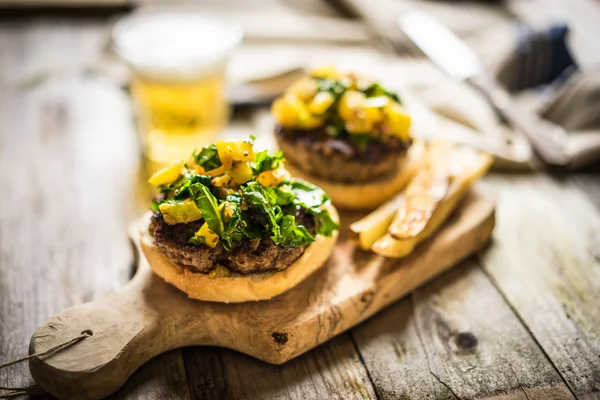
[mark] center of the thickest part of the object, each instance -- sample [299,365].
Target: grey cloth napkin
[576,107]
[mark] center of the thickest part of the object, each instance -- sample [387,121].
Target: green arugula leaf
[375,89]
[308,195]
[313,197]
[280,196]
[325,224]
[237,228]
[154,206]
[207,157]
[256,199]
[334,87]
[197,240]
[294,235]
[264,162]
[208,206]
[180,188]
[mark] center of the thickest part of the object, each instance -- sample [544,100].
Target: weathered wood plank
[162,378]
[68,165]
[456,338]
[331,371]
[545,261]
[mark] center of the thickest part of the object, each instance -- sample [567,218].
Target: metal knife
[458,61]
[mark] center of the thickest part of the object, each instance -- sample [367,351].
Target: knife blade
[459,62]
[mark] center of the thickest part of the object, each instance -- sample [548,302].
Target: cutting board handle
[126,329]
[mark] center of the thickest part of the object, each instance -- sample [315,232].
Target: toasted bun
[239,288]
[365,196]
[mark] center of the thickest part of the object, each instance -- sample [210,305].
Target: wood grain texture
[472,346]
[334,372]
[66,147]
[545,262]
[149,316]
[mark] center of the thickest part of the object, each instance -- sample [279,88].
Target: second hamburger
[348,135]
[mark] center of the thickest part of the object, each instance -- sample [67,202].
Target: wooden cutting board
[149,316]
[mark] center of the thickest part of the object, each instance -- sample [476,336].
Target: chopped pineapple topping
[210,238]
[180,212]
[235,195]
[344,102]
[241,173]
[167,175]
[273,177]
[234,150]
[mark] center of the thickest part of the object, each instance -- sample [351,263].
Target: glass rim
[233,35]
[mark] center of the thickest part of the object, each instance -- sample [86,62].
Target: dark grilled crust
[338,159]
[245,257]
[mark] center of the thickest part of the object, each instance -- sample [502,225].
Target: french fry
[375,225]
[431,197]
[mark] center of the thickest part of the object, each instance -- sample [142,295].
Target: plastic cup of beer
[178,61]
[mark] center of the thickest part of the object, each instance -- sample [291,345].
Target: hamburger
[347,134]
[231,225]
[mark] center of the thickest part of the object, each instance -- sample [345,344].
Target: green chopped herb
[208,205]
[197,239]
[333,86]
[292,234]
[154,206]
[265,162]
[207,158]
[375,89]
[252,211]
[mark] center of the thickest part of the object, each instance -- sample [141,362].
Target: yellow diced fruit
[320,103]
[167,175]
[225,149]
[219,271]
[180,213]
[397,120]
[359,125]
[273,177]
[310,123]
[288,109]
[326,71]
[232,150]
[244,151]
[305,88]
[210,238]
[224,180]
[350,101]
[291,112]
[217,171]
[241,173]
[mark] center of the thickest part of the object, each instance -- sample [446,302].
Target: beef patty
[245,257]
[338,159]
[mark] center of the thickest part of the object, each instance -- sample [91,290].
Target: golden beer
[178,61]
[176,117]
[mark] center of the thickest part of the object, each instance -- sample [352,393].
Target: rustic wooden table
[519,321]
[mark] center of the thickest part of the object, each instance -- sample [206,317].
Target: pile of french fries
[398,226]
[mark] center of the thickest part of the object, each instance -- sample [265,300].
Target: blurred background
[96,94]
[187,68]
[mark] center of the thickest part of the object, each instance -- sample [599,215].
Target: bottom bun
[239,288]
[368,195]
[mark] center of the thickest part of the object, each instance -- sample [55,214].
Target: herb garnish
[249,211]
